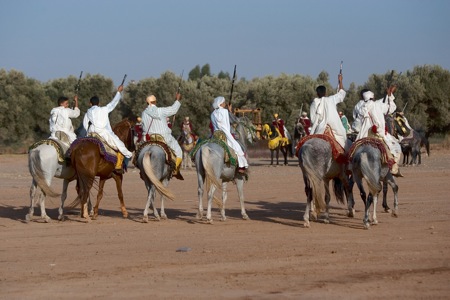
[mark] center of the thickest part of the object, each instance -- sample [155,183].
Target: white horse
[319,168]
[367,164]
[155,173]
[43,164]
[212,170]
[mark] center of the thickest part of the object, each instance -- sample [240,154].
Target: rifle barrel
[232,83]
[123,80]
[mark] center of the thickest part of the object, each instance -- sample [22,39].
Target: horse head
[125,132]
[246,131]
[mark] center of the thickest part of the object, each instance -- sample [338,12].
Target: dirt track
[270,256]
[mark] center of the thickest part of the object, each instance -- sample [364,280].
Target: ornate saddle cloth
[157,140]
[337,151]
[61,148]
[106,150]
[378,143]
[219,138]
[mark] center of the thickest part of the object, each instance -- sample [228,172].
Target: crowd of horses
[87,159]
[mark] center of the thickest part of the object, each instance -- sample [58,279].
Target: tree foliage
[25,103]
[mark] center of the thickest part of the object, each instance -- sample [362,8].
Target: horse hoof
[164,217]
[223,219]
[306,225]
[351,213]
[375,222]
[47,219]
[394,214]
[27,218]
[209,221]
[366,225]
[145,219]
[245,217]
[199,216]
[326,221]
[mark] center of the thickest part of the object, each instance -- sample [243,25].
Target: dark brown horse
[88,162]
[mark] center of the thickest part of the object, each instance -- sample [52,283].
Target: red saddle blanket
[386,156]
[338,152]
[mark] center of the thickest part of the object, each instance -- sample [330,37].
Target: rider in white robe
[323,112]
[371,116]
[60,118]
[154,121]
[221,121]
[96,120]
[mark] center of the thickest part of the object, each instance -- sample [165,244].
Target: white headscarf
[368,95]
[219,100]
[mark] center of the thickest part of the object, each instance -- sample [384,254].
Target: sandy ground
[270,256]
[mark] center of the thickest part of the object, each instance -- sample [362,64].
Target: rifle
[340,73]
[77,87]
[178,91]
[123,80]
[404,107]
[232,84]
[389,85]
[179,84]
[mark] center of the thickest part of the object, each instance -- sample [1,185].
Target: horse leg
[163,212]
[224,200]
[63,198]
[348,188]
[368,203]
[152,203]
[385,190]
[327,202]
[101,185]
[284,151]
[271,156]
[240,189]
[199,215]
[308,191]
[391,181]
[33,191]
[148,204]
[278,155]
[374,215]
[211,191]
[119,178]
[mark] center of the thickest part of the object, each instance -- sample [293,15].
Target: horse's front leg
[278,155]
[119,178]
[374,215]
[271,156]
[240,189]
[348,188]
[385,190]
[393,184]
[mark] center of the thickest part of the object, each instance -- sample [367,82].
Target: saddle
[219,138]
[378,143]
[157,140]
[61,145]
[106,150]
[338,152]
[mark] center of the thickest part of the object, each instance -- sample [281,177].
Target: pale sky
[50,39]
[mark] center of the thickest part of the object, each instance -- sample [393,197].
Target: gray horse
[318,168]
[367,164]
[155,173]
[213,173]
[43,165]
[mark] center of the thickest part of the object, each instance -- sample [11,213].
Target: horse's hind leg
[385,204]
[63,198]
[374,215]
[148,204]
[33,191]
[224,200]
[368,203]
[327,202]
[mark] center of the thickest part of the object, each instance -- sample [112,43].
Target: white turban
[219,100]
[368,95]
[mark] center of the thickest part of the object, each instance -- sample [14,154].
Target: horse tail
[338,188]
[370,173]
[210,178]
[35,167]
[147,164]
[314,182]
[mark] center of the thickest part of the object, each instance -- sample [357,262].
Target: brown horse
[88,162]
